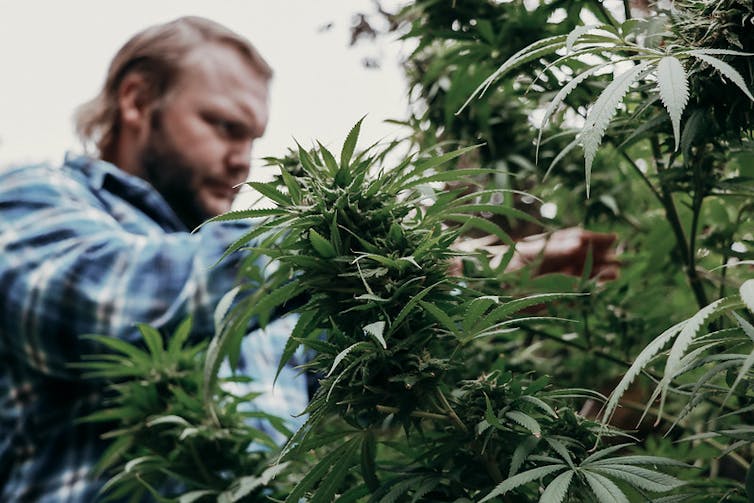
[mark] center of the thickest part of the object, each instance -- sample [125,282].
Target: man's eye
[230,129]
[223,126]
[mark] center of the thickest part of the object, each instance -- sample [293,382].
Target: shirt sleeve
[69,268]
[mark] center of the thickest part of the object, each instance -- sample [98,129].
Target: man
[103,242]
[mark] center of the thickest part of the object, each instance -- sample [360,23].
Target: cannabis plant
[164,442]
[662,69]
[676,110]
[362,248]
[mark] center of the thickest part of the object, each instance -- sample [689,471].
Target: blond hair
[158,53]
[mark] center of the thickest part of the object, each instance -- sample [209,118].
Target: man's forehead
[221,73]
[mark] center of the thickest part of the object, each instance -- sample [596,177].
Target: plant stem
[627,9]
[385,409]
[601,11]
[642,175]
[697,202]
[576,345]
[674,220]
[451,412]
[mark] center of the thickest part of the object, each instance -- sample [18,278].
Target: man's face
[199,143]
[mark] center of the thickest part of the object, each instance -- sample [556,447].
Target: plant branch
[453,416]
[576,345]
[642,175]
[674,220]
[601,11]
[385,409]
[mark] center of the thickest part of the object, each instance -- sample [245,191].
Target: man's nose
[238,159]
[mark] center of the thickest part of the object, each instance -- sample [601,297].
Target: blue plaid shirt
[86,248]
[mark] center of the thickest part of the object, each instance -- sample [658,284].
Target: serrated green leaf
[330,484]
[649,352]
[603,452]
[305,323]
[559,98]
[526,421]
[269,191]
[410,305]
[113,454]
[245,485]
[577,32]
[350,144]
[376,330]
[522,478]
[192,496]
[474,222]
[292,184]
[248,213]
[323,247]
[746,365]
[329,159]
[539,403]
[169,419]
[532,51]
[307,163]
[746,291]
[441,316]
[136,355]
[561,155]
[640,460]
[724,68]
[179,338]
[672,83]
[522,451]
[684,339]
[248,236]
[561,449]
[343,354]
[490,416]
[414,177]
[153,340]
[557,489]
[450,175]
[222,308]
[603,111]
[604,488]
[516,305]
[424,489]
[642,478]
[475,311]
[332,466]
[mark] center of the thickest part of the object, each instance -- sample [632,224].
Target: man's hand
[564,251]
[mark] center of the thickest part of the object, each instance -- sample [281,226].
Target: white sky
[54,55]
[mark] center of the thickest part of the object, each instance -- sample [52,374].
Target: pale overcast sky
[54,56]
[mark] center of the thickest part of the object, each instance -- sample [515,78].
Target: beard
[172,175]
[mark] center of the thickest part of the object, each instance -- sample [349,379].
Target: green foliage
[616,46]
[368,246]
[428,387]
[164,442]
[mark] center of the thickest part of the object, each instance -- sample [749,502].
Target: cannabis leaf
[674,91]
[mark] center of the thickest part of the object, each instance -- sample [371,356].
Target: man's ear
[134,101]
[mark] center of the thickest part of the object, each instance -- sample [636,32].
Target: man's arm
[68,268]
